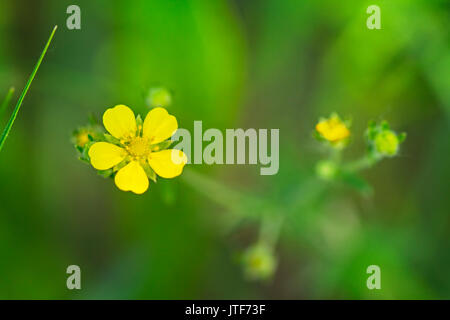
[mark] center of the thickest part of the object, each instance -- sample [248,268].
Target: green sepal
[385,125]
[109,138]
[79,148]
[149,171]
[120,165]
[139,120]
[371,131]
[162,145]
[105,173]
[81,158]
[316,135]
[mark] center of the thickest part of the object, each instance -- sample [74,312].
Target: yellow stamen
[138,148]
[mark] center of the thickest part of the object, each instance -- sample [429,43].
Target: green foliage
[232,64]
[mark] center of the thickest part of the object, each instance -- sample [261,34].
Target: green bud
[382,141]
[259,262]
[326,169]
[387,143]
[84,135]
[159,97]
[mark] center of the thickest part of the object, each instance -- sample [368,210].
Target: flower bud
[259,262]
[159,97]
[83,135]
[383,142]
[387,143]
[326,170]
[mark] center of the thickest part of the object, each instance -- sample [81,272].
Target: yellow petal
[167,163]
[333,129]
[159,125]
[105,155]
[120,122]
[132,177]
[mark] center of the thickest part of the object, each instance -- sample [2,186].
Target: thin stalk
[365,162]
[270,230]
[24,92]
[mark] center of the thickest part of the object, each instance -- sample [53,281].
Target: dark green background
[259,64]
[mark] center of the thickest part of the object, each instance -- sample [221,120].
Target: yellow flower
[333,129]
[137,147]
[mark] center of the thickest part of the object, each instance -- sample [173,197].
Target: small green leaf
[150,172]
[106,173]
[83,159]
[119,166]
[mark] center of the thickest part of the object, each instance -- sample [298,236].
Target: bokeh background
[231,64]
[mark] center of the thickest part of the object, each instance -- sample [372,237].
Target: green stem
[24,92]
[270,230]
[363,163]
[336,155]
[238,202]
[5,102]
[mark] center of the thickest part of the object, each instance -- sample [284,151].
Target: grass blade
[5,102]
[24,92]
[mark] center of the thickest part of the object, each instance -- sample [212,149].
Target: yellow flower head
[387,143]
[333,129]
[136,147]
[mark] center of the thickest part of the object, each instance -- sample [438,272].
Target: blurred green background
[249,64]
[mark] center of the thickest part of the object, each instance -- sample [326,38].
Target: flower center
[138,148]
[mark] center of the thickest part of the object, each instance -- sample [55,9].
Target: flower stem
[270,229]
[364,162]
[238,202]
[24,92]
